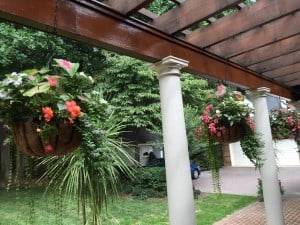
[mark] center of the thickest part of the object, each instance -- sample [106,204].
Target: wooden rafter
[191,12]
[261,36]
[283,70]
[178,1]
[276,63]
[276,49]
[128,7]
[241,21]
[293,82]
[148,13]
[289,77]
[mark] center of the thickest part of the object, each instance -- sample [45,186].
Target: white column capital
[169,65]
[259,92]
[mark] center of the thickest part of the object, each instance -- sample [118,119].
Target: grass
[33,207]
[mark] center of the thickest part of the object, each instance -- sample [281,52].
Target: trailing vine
[214,166]
[227,118]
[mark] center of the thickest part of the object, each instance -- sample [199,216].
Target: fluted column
[179,183]
[269,170]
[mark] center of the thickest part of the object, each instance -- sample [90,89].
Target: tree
[23,48]
[133,90]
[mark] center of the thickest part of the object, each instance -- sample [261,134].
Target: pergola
[257,45]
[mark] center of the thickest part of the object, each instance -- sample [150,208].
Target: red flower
[52,80]
[48,148]
[73,108]
[48,113]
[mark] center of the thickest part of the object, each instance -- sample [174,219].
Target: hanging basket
[27,139]
[230,134]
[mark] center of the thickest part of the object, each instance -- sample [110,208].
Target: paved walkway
[254,214]
[243,181]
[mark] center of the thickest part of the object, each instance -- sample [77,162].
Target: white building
[286,154]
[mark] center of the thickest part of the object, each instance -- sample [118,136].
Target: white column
[269,170]
[179,182]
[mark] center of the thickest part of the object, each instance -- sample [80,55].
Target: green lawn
[32,207]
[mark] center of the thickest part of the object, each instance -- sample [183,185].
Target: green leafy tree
[23,48]
[133,90]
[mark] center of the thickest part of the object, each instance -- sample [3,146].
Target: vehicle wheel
[195,174]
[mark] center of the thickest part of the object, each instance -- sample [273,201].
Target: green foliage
[133,89]
[252,145]
[149,182]
[227,109]
[194,90]
[197,150]
[22,48]
[260,195]
[92,173]
[26,94]
[209,209]
[161,6]
[285,123]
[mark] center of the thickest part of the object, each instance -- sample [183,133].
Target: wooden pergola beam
[276,63]
[88,22]
[247,18]
[128,7]
[289,77]
[283,70]
[276,49]
[269,33]
[294,82]
[191,12]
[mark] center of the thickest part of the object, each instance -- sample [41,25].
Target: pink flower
[205,118]
[251,123]
[208,108]
[212,128]
[238,95]
[219,134]
[48,148]
[65,64]
[221,90]
[291,107]
[290,120]
[198,130]
[52,80]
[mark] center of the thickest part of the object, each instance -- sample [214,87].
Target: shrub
[149,182]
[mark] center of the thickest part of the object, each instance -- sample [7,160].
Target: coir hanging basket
[27,139]
[230,134]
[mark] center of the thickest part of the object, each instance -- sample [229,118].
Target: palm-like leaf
[92,180]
